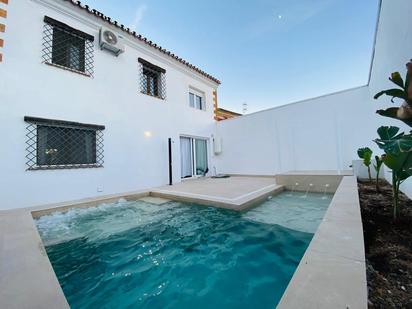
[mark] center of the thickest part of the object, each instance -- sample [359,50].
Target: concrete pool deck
[27,279]
[235,193]
[332,272]
[330,275]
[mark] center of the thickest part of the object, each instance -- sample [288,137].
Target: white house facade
[133,102]
[81,121]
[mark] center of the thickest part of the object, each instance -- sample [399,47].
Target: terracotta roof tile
[140,38]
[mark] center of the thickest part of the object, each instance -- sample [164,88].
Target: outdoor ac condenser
[111,41]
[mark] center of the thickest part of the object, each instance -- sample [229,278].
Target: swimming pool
[137,254]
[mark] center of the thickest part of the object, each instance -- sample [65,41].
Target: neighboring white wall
[111,98]
[393,50]
[317,134]
[322,133]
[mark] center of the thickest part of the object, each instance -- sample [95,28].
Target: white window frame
[197,93]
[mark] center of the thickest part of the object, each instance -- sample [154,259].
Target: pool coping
[41,210]
[332,272]
[242,203]
[238,203]
[27,278]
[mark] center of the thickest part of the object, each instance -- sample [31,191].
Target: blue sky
[266,53]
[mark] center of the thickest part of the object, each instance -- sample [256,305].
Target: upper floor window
[57,144]
[66,47]
[152,79]
[196,99]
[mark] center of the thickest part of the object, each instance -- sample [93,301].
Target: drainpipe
[170,162]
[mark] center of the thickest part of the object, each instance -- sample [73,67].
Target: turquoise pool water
[140,255]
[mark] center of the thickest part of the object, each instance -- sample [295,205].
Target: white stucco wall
[393,50]
[322,133]
[111,98]
[309,135]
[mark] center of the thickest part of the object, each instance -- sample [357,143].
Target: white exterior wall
[322,133]
[393,50]
[309,135]
[111,98]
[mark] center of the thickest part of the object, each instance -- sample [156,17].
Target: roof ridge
[141,38]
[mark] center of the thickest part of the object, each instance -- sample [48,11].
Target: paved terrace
[236,192]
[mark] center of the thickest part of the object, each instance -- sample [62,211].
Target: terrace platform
[235,193]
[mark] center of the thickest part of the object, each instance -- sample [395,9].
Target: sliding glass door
[193,157]
[201,157]
[186,157]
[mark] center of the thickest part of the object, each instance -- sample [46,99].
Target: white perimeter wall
[310,135]
[111,98]
[322,133]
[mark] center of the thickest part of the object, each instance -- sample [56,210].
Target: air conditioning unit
[111,41]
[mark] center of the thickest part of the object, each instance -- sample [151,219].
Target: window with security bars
[152,79]
[57,144]
[66,47]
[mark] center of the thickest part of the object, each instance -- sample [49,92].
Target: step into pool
[135,254]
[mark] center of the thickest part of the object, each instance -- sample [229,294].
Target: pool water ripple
[134,254]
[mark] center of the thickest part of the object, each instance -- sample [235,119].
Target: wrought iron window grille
[58,144]
[152,79]
[67,48]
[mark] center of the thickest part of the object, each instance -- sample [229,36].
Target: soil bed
[388,247]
